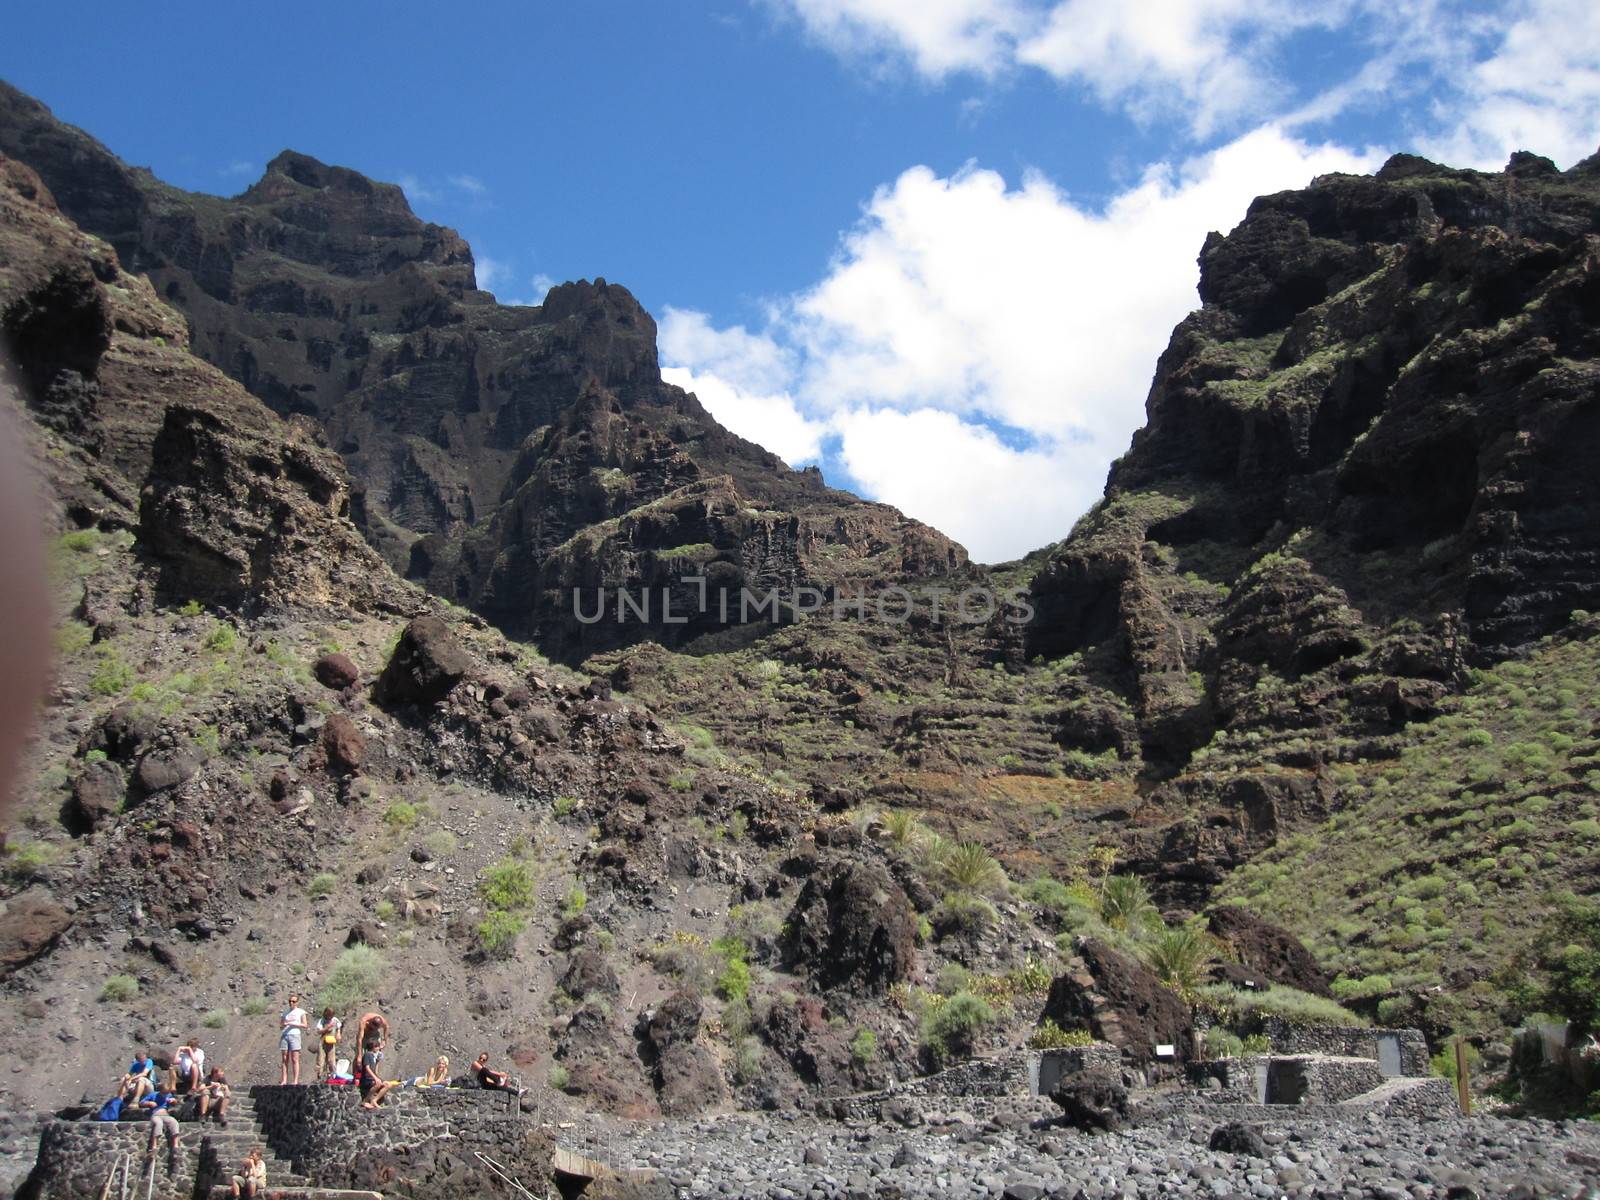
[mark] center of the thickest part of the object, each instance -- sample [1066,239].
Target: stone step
[273,1192]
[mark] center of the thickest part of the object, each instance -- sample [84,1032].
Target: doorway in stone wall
[1286,1081]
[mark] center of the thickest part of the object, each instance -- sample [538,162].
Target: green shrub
[113,676]
[1444,1062]
[564,805]
[559,1077]
[256,1006]
[384,910]
[1256,1043]
[1394,1011]
[215,1019]
[575,901]
[1223,1043]
[498,933]
[27,861]
[863,1047]
[441,843]
[747,1059]
[507,886]
[950,1029]
[322,885]
[354,978]
[1050,1036]
[1294,1006]
[119,989]
[221,639]
[402,815]
[961,913]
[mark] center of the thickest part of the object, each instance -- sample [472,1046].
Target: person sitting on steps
[138,1081]
[252,1178]
[159,1105]
[373,1089]
[494,1081]
[437,1075]
[214,1096]
[190,1063]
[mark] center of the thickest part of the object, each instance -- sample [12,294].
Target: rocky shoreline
[1022,1154]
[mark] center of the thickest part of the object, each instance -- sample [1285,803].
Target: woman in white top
[291,1029]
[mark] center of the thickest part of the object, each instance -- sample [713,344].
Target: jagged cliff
[501,456]
[1362,490]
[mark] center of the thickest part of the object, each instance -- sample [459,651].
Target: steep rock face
[1118,1000]
[481,438]
[1359,474]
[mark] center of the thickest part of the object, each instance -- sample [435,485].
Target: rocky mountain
[501,456]
[1319,655]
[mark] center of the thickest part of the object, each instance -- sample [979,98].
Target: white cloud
[1207,58]
[490,271]
[997,501]
[959,305]
[1523,73]
[416,190]
[936,36]
[470,184]
[773,421]
[1538,90]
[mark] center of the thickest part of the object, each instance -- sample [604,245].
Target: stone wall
[1048,1067]
[1348,1042]
[76,1157]
[321,1129]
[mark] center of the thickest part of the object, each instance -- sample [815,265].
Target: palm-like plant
[1179,957]
[968,867]
[1125,904]
[902,826]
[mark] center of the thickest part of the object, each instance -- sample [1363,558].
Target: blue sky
[935,245]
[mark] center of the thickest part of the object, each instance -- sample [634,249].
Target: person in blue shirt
[159,1105]
[139,1081]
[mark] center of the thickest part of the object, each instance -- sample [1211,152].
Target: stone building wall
[1348,1042]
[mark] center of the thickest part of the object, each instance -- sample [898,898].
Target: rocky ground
[1021,1155]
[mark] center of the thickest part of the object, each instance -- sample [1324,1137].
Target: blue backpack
[111,1110]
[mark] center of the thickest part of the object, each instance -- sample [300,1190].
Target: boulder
[166,768]
[29,927]
[1094,1101]
[588,974]
[1238,1138]
[853,926]
[1271,952]
[343,743]
[97,796]
[426,665]
[1119,1000]
[688,1077]
[335,671]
